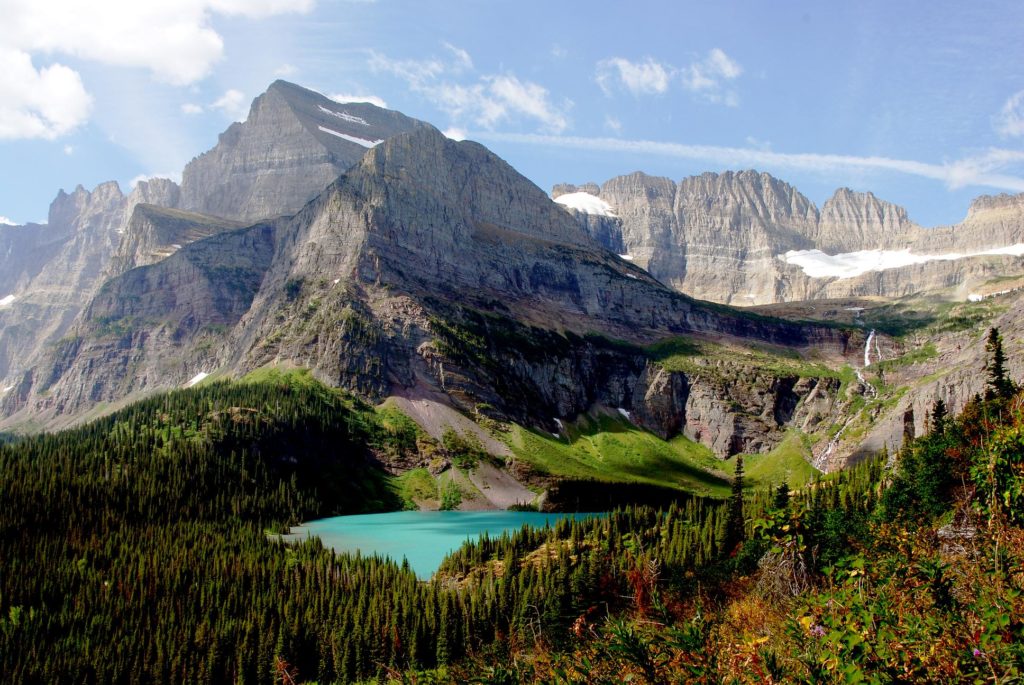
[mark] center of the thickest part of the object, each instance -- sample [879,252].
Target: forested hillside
[140,549]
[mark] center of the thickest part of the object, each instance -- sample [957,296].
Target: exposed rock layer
[720,237]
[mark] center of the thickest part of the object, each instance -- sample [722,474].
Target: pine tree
[735,531]
[999,385]
[939,417]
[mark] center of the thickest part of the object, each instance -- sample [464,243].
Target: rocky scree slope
[434,269]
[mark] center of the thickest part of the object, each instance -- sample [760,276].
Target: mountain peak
[294,142]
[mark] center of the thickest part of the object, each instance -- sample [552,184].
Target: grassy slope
[611,449]
[691,355]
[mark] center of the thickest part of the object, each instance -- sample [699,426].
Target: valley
[799,429]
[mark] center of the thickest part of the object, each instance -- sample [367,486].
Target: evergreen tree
[939,417]
[780,500]
[735,531]
[999,384]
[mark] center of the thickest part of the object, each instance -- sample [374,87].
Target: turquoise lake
[422,537]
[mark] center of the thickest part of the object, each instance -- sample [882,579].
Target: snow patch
[5,301]
[586,203]
[6,389]
[352,139]
[625,413]
[196,379]
[631,276]
[627,257]
[975,297]
[344,116]
[817,264]
[176,246]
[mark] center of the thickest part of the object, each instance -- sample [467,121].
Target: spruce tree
[735,532]
[939,417]
[999,385]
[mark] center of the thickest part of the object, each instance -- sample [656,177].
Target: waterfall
[867,348]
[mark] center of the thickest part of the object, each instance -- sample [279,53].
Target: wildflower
[978,653]
[818,630]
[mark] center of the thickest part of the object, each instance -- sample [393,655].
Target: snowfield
[817,264]
[586,203]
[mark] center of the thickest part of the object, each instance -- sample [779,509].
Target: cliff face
[154,233]
[432,267]
[293,144]
[724,237]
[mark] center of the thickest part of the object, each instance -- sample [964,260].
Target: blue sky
[921,103]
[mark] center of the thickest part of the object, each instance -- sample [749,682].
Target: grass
[609,448]
[916,356]
[787,462]
[690,355]
[417,487]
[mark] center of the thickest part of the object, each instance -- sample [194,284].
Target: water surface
[422,537]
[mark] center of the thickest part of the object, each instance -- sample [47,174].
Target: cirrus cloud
[1010,120]
[990,168]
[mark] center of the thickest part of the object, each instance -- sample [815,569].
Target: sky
[920,103]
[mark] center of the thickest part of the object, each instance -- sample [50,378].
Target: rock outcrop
[724,237]
[294,143]
[434,265]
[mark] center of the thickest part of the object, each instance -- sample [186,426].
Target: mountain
[434,273]
[747,238]
[292,145]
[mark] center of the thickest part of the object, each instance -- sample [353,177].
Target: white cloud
[285,70]
[487,101]
[985,170]
[639,78]
[232,103]
[172,39]
[462,59]
[1010,120]
[191,108]
[612,123]
[455,133]
[39,103]
[4,221]
[342,98]
[69,150]
[758,143]
[512,95]
[708,77]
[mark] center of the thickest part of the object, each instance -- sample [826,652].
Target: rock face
[432,266]
[154,233]
[722,237]
[294,142]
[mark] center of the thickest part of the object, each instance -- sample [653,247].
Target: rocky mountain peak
[81,208]
[853,220]
[294,142]
[425,166]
